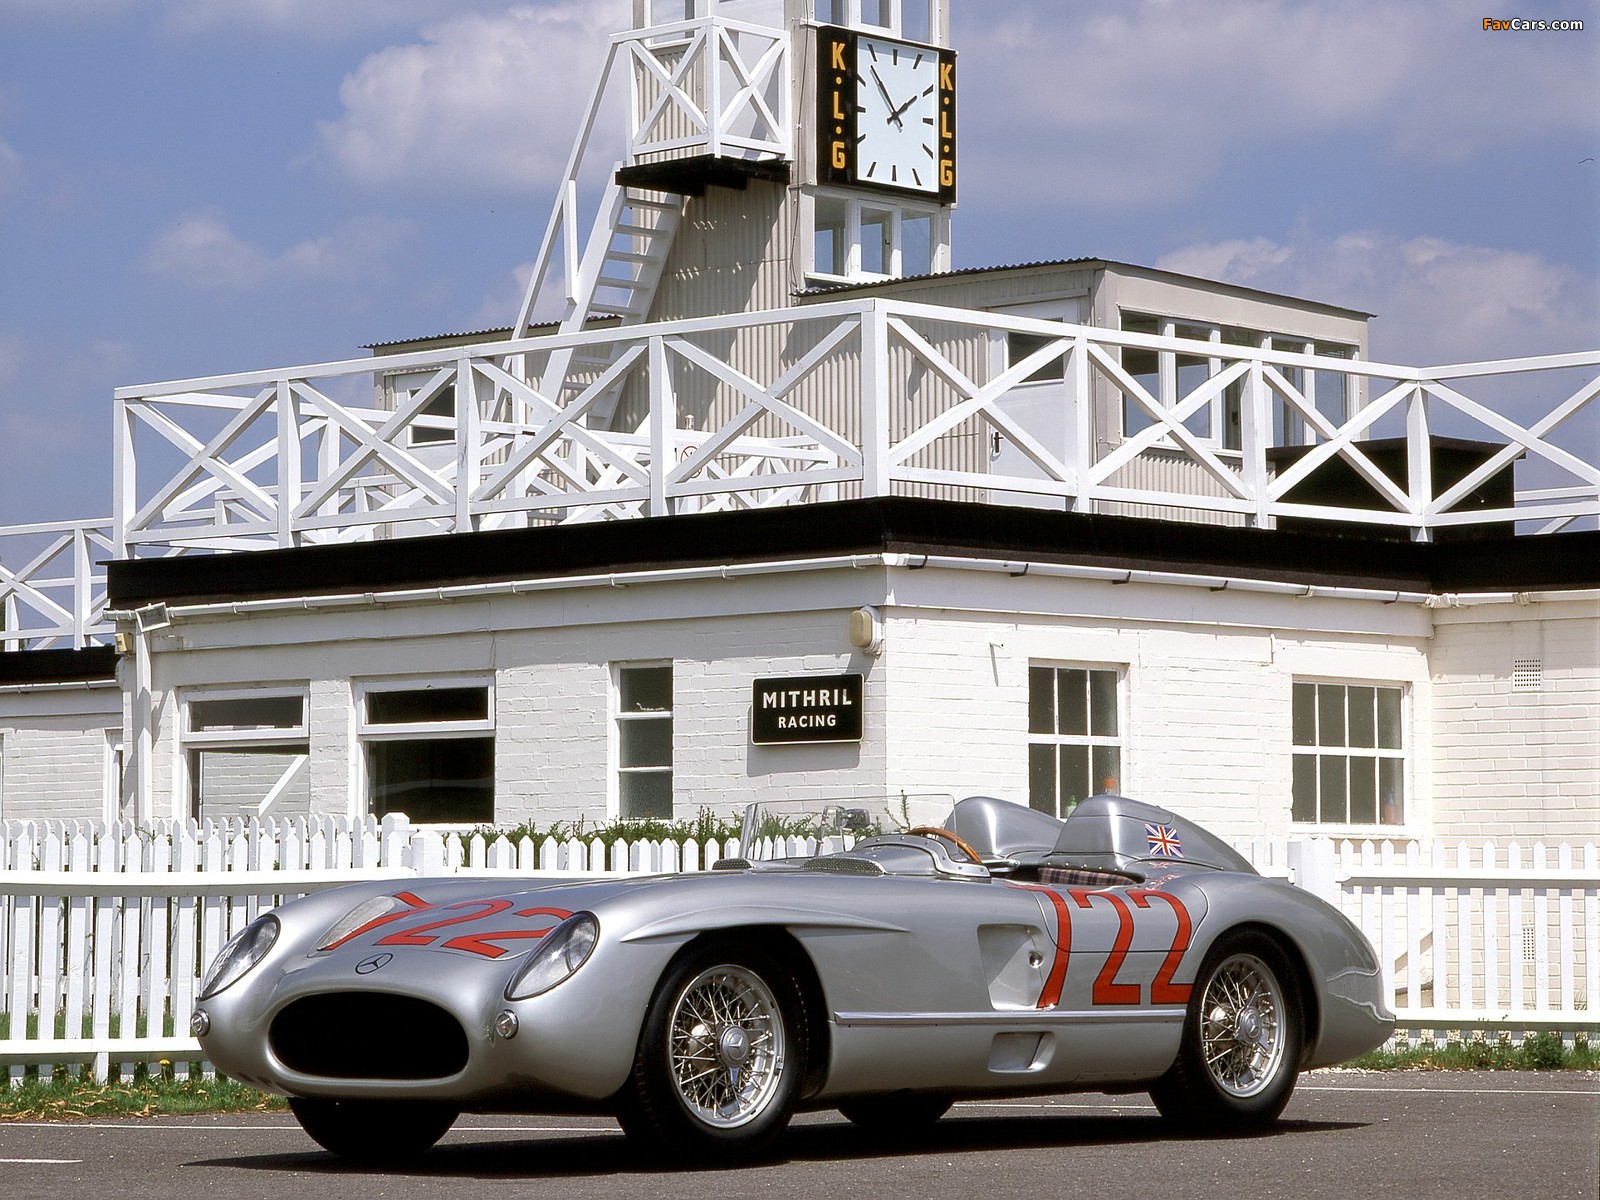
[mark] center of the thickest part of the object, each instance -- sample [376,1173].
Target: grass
[78,1097]
[1536,1052]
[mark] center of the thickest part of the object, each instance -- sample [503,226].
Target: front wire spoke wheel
[727,1046]
[1241,1034]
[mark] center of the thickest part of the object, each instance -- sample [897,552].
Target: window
[1074,736]
[442,405]
[248,754]
[644,741]
[429,751]
[854,239]
[1349,754]
[911,19]
[1170,377]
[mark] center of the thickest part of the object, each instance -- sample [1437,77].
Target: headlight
[359,917]
[241,954]
[563,950]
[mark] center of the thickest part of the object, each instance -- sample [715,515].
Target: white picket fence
[106,929]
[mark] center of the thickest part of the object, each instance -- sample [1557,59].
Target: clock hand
[894,113]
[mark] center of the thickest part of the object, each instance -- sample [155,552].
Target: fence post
[1313,867]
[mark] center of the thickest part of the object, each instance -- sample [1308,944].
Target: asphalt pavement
[1346,1135]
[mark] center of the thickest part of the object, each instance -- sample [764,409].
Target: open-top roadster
[997,952]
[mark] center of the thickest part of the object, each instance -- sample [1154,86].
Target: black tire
[720,1058]
[374,1131]
[1243,1037]
[898,1115]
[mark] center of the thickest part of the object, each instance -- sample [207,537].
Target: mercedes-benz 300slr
[996,952]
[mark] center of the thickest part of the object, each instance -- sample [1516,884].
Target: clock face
[897,115]
[886,115]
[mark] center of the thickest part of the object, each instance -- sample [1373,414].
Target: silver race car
[995,952]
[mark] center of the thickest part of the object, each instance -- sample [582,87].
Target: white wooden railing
[280,458]
[106,929]
[52,585]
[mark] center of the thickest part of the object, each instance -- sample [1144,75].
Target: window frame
[1090,740]
[292,740]
[618,719]
[899,211]
[1317,752]
[369,732]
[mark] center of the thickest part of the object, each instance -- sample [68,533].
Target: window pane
[236,782]
[247,712]
[1305,788]
[442,405]
[1363,731]
[1072,688]
[1364,791]
[646,794]
[646,689]
[1333,804]
[1042,778]
[1020,345]
[1389,718]
[916,244]
[427,706]
[1075,785]
[647,743]
[877,227]
[433,780]
[1107,769]
[914,21]
[830,244]
[875,12]
[1392,791]
[1330,715]
[1192,373]
[1041,700]
[1103,703]
[1305,714]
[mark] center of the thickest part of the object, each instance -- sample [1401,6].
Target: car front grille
[368,1035]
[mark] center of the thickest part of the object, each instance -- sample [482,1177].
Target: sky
[190,187]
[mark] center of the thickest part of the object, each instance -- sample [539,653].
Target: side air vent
[837,865]
[368,1035]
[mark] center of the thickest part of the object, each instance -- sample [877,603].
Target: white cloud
[202,252]
[1436,301]
[490,103]
[317,20]
[1146,101]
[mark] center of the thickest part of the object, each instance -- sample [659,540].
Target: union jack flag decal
[1164,841]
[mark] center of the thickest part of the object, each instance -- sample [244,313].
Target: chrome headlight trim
[373,908]
[240,956]
[560,953]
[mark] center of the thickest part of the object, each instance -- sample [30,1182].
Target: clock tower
[773,146]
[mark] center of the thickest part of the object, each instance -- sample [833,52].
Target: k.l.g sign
[805,708]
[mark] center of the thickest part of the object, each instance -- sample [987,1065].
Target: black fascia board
[887,525]
[93,664]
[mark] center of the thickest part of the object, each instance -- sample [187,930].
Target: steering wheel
[953,839]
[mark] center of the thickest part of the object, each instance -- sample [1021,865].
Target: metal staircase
[701,98]
[621,268]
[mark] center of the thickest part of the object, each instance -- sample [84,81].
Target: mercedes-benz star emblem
[376,963]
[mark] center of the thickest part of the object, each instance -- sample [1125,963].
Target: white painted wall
[1206,704]
[1206,709]
[1520,764]
[55,757]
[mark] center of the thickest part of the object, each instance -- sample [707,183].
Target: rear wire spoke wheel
[1243,1036]
[720,1057]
